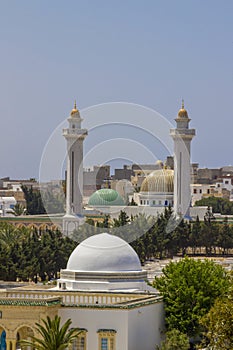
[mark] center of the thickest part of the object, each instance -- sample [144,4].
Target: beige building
[102,290]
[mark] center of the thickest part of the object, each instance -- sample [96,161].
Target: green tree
[122,220]
[163,237]
[84,231]
[219,324]
[53,336]
[175,340]
[132,202]
[106,222]
[18,210]
[209,232]
[34,201]
[225,236]
[194,238]
[189,288]
[25,252]
[219,205]
[53,202]
[180,238]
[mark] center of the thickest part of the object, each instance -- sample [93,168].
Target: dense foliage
[29,254]
[163,237]
[175,340]
[34,201]
[219,324]
[43,202]
[219,205]
[208,238]
[53,336]
[190,288]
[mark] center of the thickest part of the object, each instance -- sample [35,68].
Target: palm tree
[52,335]
[18,210]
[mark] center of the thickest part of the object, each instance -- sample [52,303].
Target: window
[107,339]
[166,203]
[200,191]
[195,190]
[226,182]
[153,202]
[80,342]
[104,343]
[208,191]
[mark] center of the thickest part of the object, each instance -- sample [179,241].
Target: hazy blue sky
[151,53]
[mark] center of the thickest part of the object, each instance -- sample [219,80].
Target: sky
[151,53]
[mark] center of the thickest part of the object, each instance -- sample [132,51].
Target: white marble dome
[103,262]
[104,253]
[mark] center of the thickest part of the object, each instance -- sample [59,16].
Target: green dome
[105,196]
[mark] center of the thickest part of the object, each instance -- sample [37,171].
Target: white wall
[137,329]
[94,319]
[146,325]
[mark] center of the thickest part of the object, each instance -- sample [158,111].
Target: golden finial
[74,110]
[182,112]
[182,105]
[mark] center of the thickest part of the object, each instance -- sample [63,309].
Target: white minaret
[182,137]
[74,136]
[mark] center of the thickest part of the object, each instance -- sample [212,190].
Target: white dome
[104,253]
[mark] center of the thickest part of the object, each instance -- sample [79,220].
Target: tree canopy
[155,237]
[175,340]
[219,324]
[219,205]
[41,202]
[190,288]
[27,253]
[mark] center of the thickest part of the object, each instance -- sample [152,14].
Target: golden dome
[182,112]
[159,181]
[74,110]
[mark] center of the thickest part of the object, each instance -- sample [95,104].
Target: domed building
[104,293]
[157,189]
[105,197]
[103,262]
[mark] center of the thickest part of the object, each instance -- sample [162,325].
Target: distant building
[157,189]
[95,178]
[208,176]
[13,188]
[142,170]
[7,205]
[123,174]
[124,188]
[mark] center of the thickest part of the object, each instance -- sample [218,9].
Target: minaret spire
[182,137]
[74,136]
